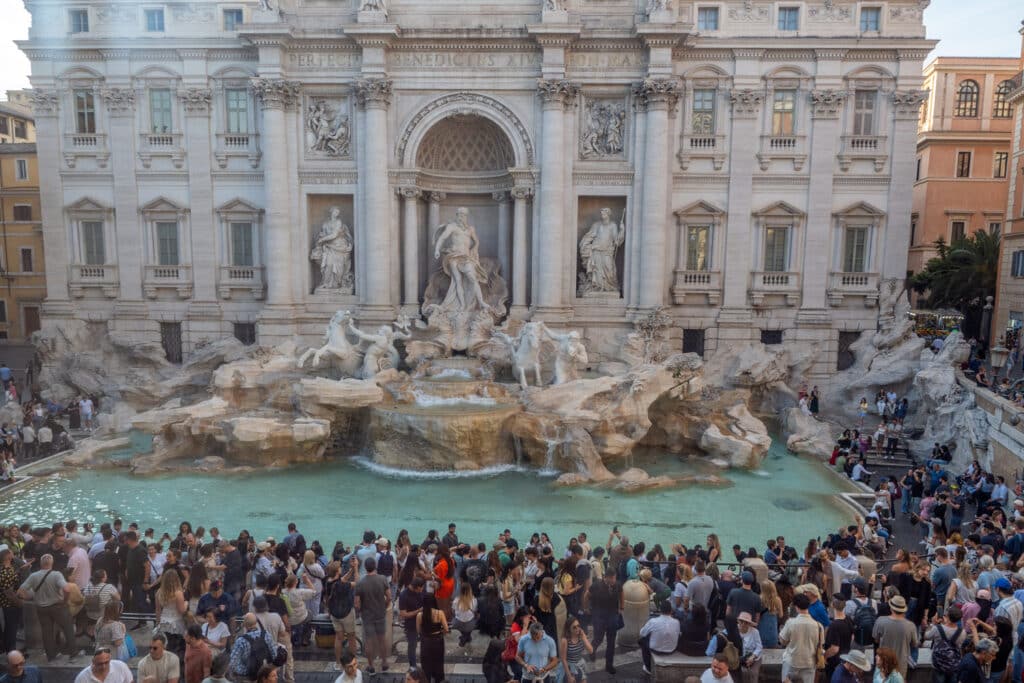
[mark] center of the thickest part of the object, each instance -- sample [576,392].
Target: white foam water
[425,400]
[397,473]
[451,373]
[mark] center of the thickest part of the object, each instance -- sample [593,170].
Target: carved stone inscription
[451,59]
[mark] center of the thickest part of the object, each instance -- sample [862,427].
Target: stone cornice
[276,93]
[196,100]
[373,92]
[557,92]
[373,35]
[554,35]
[826,103]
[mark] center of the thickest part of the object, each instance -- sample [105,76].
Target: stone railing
[767,283]
[83,277]
[702,146]
[697,283]
[161,145]
[79,145]
[241,278]
[853,284]
[792,147]
[177,278]
[873,148]
[1005,428]
[245,145]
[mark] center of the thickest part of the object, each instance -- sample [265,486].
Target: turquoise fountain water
[789,496]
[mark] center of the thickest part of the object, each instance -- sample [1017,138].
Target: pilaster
[120,105]
[906,110]
[746,108]
[520,251]
[46,107]
[196,102]
[410,249]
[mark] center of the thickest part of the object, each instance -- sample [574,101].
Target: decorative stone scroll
[328,127]
[44,102]
[196,100]
[373,92]
[829,12]
[908,102]
[746,102]
[748,12]
[276,93]
[557,91]
[604,129]
[119,100]
[827,103]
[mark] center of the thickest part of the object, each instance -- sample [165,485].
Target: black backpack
[259,653]
[945,652]
[341,600]
[385,565]
[864,622]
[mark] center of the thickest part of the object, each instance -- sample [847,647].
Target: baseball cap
[747,577]
[1004,584]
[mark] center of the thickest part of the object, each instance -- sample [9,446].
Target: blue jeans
[905,503]
[412,639]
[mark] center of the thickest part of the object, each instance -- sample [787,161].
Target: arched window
[1001,108]
[967,99]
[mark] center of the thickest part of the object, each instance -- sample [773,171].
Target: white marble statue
[555,5]
[336,344]
[569,351]
[332,251]
[597,254]
[457,247]
[525,351]
[603,134]
[267,6]
[330,130]
[381,353]
[374,6]
[654,6]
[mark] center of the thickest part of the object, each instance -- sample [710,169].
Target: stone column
[906,108]
[196,102]
[374,96]
[746,106]
[504,231]
[816,264]
[410,248]
[120,103]
[520,195]
[434,200]
[657,96]
[275,95]
[46,106]
[549,237]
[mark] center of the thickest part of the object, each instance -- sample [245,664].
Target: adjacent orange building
[1009,313]
[22,271]
[963,152]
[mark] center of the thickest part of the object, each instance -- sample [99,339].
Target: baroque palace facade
[215,168]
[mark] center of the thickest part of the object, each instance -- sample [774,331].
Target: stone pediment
[780,209]
[163,205]
[238,205]
[88,205]
[699,208]
[860,209]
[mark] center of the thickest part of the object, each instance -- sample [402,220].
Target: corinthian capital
[196,100]
[656,92]
[44,102]
[276,93]
[827,103]
[373,92]
[908,102]
[557,91]
[746,102]
[409,192]
[119,100]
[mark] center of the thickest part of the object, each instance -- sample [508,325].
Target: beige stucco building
[23,276]
[760,156]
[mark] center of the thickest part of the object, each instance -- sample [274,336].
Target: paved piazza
[217,168]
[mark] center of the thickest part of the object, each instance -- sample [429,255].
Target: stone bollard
[635,613]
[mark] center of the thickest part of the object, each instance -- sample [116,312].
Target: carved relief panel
[603,128]
[327,122]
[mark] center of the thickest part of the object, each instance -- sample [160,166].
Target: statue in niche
[604,130]
[329,128]
[332,251]
[374,6]
[597,254]
[569,351]
[658,6]
[457,247]
[381,353]
[555,5]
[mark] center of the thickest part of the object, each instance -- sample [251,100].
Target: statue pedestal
[266,16]
[554,16]
[372,16]
[661,16]
[597,297]
[333,291]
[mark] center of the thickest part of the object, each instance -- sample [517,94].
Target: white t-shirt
[465,616]
[709,677]
[217,633]
[343,678]
[119,673]
[679,594]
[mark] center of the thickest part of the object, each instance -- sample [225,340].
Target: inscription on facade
[464,60]
[605,60]
[310,61]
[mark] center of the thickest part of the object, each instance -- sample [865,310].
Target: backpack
[732,655]
[945,653]
[259,653]
[864,622]
[340,602]
[385,564]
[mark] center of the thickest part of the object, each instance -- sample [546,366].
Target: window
[967,100]
[703,112]
[20,129]
[917,175]
[855,250]
[85,112]
[913,232]
[771,337]
[870,19]
[242,252]
[994,228]
[776,249]
[238,110]
[21,169]
[1017,264]
[864,112]
[154,20]
[963,164]
[246,333]
[26,260]
[23,212]
[4,126]
[789,18]
[167,243]
[1001,108]
[698,247]
[232,18]
[783,110]
[79,20]
[957,231]
[1000,162]
[93,251]
[707,19]
[693,342]
[3,311]
[160,110]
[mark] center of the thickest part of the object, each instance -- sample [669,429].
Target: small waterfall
[517,447]
[425,400]
[549,456]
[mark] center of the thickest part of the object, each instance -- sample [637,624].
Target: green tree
[962,274]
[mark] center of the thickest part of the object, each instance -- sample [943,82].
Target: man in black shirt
[474,569]
[274,600]
[234,572]
[134,572]
[451,539]
[605,607]
[838,637]
[410,604]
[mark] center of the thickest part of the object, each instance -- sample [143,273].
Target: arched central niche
[465,143]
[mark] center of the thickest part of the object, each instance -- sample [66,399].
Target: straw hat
[898,604]
[858,659]
[746,618]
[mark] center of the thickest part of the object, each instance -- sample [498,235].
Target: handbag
[510,651]
[130,644]
[620,623]
[820,663]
